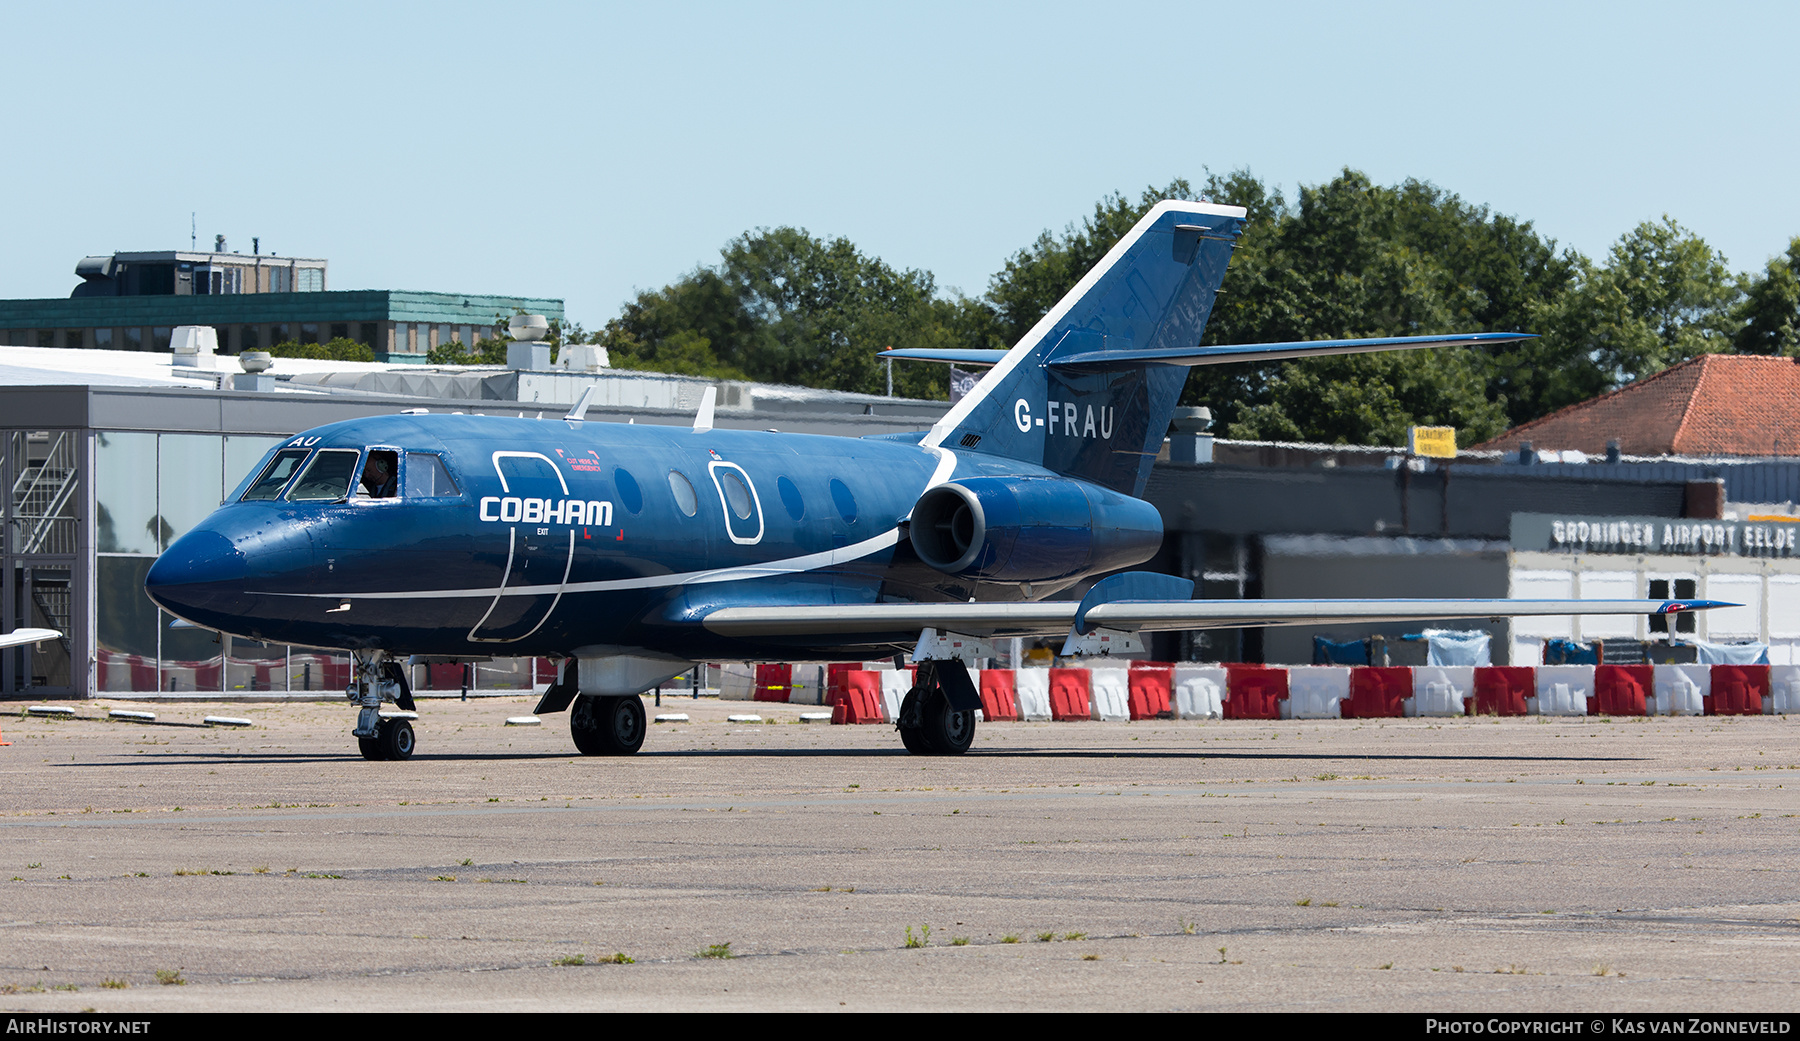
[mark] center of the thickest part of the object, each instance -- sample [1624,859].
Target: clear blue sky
[588,150]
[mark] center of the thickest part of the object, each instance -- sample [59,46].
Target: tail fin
[1103,421]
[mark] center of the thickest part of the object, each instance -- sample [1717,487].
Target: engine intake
[1031,529]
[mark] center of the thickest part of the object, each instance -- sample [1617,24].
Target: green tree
[1770,311]
[1355,259]
[1664,296]
[787,307]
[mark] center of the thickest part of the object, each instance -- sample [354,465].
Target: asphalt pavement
[1410,864]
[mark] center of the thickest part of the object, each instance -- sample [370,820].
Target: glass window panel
[278,332]
[340,330]
[224,334]
[134,339]
[125,492]
[254,666]
[159,337]
[736,493]
[328,477]
[103,339]
[247,338]
[46,337]
[309,332]
[75,338]
[426,477]
[244,456]
[366,333]
[683,490]
[124,625]
[188,481]
[379,475]
[190,657]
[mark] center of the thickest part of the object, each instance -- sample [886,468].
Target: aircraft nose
[200,556]
[196,574]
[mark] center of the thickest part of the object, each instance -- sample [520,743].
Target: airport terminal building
[134,302]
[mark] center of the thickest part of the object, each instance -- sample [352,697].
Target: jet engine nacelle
[1031,529]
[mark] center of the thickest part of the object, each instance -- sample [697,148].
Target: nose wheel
[377,679]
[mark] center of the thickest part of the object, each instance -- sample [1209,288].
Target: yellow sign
[1437,442]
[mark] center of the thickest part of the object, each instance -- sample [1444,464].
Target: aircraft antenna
[703,420]
[579,412]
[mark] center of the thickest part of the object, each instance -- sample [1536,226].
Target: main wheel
[396,739]
[929,726]
[947,731]
[607,726]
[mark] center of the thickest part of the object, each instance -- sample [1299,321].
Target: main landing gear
[937,717]
[607,725]
[379,678]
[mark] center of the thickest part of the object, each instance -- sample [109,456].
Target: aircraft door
[539,549]
[738,498]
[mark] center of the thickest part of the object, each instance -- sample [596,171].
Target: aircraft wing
[1059,616]
[21,637]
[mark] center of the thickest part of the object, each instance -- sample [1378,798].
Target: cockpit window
[328,476]
[275,475]
[426,477]
[380,475]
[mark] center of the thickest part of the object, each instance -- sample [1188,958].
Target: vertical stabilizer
[1101,422]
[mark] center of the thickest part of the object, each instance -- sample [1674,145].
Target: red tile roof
[1716,404]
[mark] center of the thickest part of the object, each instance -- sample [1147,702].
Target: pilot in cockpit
[378,476]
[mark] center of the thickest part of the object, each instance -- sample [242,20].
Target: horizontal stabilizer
[1057,616]
[955,356]
[1103,359]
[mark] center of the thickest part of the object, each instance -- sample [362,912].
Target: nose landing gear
[378,678]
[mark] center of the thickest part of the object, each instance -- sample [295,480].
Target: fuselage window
[426,477]
[630,495]
[683,490]
[380,475]
[790,498]
[737,493]
[275,476]
[327,477]
[843,500]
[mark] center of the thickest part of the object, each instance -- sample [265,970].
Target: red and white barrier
[1153,690]
[1680,690]
[1199,692]
[1033,689]
[1623,690]
[1317,691]
[1070,696]
[1109,694]
[1442,690]
[1784,689]
[1151,687]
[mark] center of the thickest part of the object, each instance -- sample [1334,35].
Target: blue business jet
[628,552]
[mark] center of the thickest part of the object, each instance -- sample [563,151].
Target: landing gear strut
[607,725]
[378,678]
[931,723]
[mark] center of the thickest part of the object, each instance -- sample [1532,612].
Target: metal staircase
[39,495]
